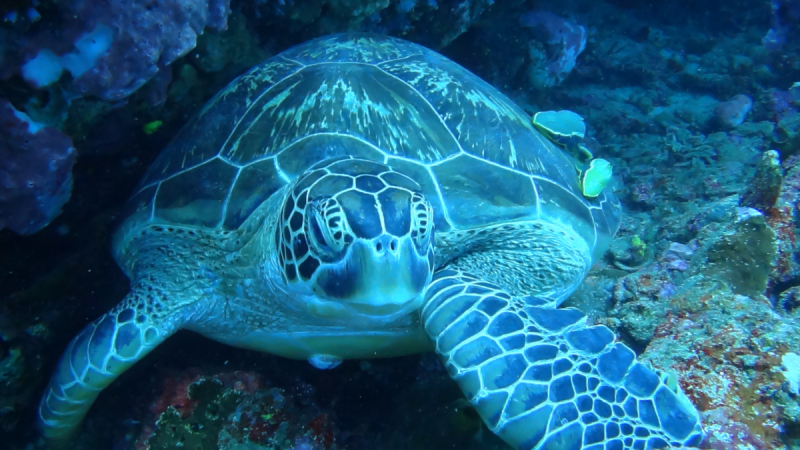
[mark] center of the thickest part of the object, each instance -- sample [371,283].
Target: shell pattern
[475,154]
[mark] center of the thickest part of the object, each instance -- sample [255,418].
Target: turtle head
[355,239]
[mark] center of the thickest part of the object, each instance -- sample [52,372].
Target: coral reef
[113,50]
[783,219]
[232,410]
[700,312]
[728,350]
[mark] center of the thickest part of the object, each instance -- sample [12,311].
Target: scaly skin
[542,378]
[101,352]
[168,281]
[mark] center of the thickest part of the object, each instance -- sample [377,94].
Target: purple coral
[564,41]
[35,171]
[113,47]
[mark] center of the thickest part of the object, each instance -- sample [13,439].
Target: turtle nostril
[386,243]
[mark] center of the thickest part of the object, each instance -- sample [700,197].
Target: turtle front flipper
[93,359]
[543,378]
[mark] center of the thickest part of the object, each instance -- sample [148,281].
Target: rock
[35,171]
[728,350]
[739,252]
[732,113]
[764,188]
[563,42]
[113,50]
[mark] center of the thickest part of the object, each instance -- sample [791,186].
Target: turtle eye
[421,222]
[327,227]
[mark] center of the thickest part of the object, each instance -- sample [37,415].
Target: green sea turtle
[361,196]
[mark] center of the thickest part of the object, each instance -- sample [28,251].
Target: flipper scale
[102,351]
[571,387]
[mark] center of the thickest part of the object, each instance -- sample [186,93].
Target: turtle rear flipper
[100,353]
[542,378]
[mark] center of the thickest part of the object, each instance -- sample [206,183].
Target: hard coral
[113,48]
[35,171]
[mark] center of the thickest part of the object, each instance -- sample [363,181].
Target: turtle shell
[474,152]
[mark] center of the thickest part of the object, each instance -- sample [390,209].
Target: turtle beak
[380,277]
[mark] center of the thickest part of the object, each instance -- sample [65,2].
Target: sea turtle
[360,196]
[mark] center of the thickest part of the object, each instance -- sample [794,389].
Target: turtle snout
[386,245]
[383,276]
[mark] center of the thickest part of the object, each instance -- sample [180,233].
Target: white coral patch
[791,370]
